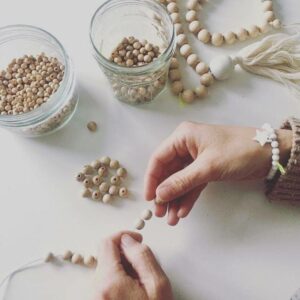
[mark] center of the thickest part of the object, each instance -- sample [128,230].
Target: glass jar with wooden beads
[37,82]
[133,42]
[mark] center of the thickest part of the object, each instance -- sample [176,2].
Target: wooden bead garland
[146,215]
[101,180]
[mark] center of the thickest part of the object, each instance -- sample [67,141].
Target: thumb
[180,183]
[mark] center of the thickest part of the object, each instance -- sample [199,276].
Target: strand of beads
[99,183]
[218,39]
[146,215]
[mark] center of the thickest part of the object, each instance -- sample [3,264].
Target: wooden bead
[146,214]
[80,177]
[181,39]
[107,198]
[89,261]
[88,182]
[265,27]
[230,38]
[178,28]
[192,60]
[188,96]
[201,91]
[177,87]
[139,224]
[172,7]
[195,27]
[67,255]
[242,34]
[204,36]
[114,164]
[191,15]
[113,190]
[201,68]
[276,24]
[174,75]
[102,171]
[92,126]
[254,31]
[175,17]
[192,4]
[104,187]
[49,257]
[96,195]
[97,180]
[269,16]
[185,50]
[86,193]
[121,172]
[76,259]
[96,164]
[217,39]
[115,180]
[174,63]
[123,192]
[87,170]
[267,5]
[207,79]
[105,160]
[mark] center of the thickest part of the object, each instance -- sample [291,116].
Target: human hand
[196,154]
[128,270]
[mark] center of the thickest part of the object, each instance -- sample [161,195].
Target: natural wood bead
[102,171]
[105,160]
[178,28]
[242,34]
[80,177]
[267,5]
[269,16]
[177,87]
[49,257]
[191,15]
[276,24]
[185,50]
[174,75]
[175,17]
[97,180]
[265,27]
[89,261]
[195,27]
[202,68]
[88,182]
[115,180]
[122,172]
[172,7]
[204,36]
[104,187]
[217,39]
[92,126]
[181,39]
[114,164]
[96,164]
[139,224]
[76,259]
[174,63]
[87,170]
[107,198]
[113,190]
[188,96]
[201,91]
[192,4]
[96,195]
[67,255]
[86,193]
[254,31]
[123,192]
[192,59]
[207,79]
[146,214]
[230,38]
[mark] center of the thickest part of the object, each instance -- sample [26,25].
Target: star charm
[262,137]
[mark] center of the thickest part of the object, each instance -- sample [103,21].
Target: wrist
[285,140]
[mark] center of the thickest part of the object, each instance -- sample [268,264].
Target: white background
[234,245]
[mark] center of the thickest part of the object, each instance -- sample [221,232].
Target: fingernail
[127,240]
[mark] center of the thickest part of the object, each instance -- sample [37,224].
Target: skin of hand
[128,270]
[196,154]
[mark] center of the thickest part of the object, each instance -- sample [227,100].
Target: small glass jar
[19,40]
[144,20]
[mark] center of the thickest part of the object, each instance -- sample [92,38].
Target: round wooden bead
[96,195]
[181,39]
[217,39]
[76,259]
[105,160]
[207,79]
[175,17]
[174,63]
[254,31]
[88,182]
[264,27]
[89,261]
[113,190]
[87,170]
[139,224]
[185,50]
[115,180]
[49,257]
[188,96]
[104,187]
[96,164]
[191,15]
[172,7]
[67,255]
[195,27]
[267,5]
[201,91]
[121,172]
[178,28]
[80,177]
[192,4]
[123,192]
[192,60]
[230,38]
[242,34]
[107,198]
[276,24]
[146,214]
[97,180]
[92,126]
[174,75]
[204,36]
[269,16]
[102,171]
[201,68]
[86,193]
[114,164]
[177,87]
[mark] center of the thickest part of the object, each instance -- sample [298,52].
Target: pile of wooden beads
[132,52]
[218,39]
[88,261]
[99,184]
[145,216]
[28,82]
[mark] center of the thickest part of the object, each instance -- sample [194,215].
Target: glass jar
[19,40]
[144,20]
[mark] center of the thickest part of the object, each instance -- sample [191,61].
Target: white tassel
[276,56]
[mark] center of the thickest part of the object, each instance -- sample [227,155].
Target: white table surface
[234,245]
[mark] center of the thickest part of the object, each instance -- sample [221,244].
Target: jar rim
[140,70]
[54,102]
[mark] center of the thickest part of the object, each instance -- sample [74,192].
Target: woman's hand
[196,154]
[128,270]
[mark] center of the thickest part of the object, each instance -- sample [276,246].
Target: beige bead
[96,195]
[201,91]
[96,164]
[89,261]
[122,172]
[276,24]
[204,36]
[178,28]
[217,39]
[139,224]
[201,68]
[113,190]
[115,180]
[105,160]
[269,16]
[188,96]
[107,198]
[181,39]
[242,34]
[267,5]
[92,126]
[114,164]
[172,7]
[104,187]
[88,182]
[88,170]
[67,255]
[195,27]
[230,38]
[146,214]
[97,180]
[174,75]
[207,79]
[102,171]
[175,17]
[254,31]
[192,5]
[177,87]
[191,15]
[123,192]
[77,259]
[265,27]
[174,63]
[49,257]
[80,177]
[86,193]
[192,60]
[185,50]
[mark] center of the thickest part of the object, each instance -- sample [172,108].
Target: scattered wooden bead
[76,259]
[86,193]
[92,126]
[123,192]
[88,170]
[114,164]
[107,198]
[67,255]
[96,164]
[121,172]
[146,214]
[104,187]
[97,180]
[105,160]
[80,177]
[102,171]
[115,180]
[113,190]
[96,195]
[139,224]
[88,182]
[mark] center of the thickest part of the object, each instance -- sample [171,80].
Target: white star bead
[261,137]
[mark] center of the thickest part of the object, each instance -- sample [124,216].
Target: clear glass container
[142,19]
[19,40]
